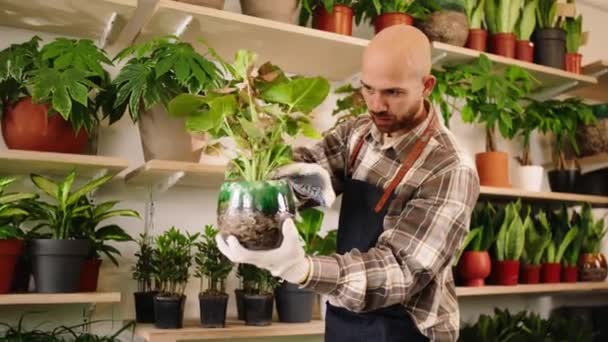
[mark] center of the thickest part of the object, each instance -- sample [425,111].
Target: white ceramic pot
[217,4]
[285,11]
[529,178]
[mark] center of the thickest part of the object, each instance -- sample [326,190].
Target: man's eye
[393,92]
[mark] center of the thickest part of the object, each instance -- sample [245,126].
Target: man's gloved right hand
[310,182]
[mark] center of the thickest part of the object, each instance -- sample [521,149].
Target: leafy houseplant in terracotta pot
[473,259]
[501,18]
[530,177]
[524,48]
[214,267]
[574,36]
[392,12]
[294,305]
[47,95]
[258,305]
[258,111]
[538,237]
[58,260]
[562,238]
[285,11]
[549,39]
[172,258]
[89,229]
[12,214]
[155,72]
[509,246]
[143,273]
[592,264]
[478,35]
[328,15]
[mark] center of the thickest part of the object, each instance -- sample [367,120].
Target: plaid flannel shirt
[424,226]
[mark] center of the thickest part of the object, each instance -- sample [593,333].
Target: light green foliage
[527,20]
[502,15]
[574,33]
[309,227]
[12,210]
[512,233]
[211,263]
[546,14]
[538,237]
[475,10]
[172,258]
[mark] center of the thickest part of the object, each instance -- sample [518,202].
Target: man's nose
[376,103]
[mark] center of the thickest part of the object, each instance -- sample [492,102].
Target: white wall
[191,209]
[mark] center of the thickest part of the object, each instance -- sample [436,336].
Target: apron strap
[407,164]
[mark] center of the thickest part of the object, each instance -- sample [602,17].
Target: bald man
[407,199]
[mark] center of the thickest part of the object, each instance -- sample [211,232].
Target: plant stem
[490,139]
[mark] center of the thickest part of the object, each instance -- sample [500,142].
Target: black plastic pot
[294,305]
[258,309]
[240,307]
[213,310]
[593,183]
[169,312]
[57,264]
[144,306]
[550,47]
[564,180]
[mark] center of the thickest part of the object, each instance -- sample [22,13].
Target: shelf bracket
[141,16]
[108,30]
[98,174]
[153,192]
[600,73]
[554,91]
[87,316]
[183,26]
[439,58]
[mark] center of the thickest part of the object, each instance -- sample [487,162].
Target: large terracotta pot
[503,44]
[477,40]
[90,275]
[285,11]
[529,274]
[474,267]
[505,272]
[550,272]
[10,250]
[592,267]
[27,126]
[493,169]
[573,62]
[217,4]
[390,19]
[524,51]
[339,21]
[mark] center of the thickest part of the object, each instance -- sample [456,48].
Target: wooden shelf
[560,288]
[16,162]
[60,298]
[159,172]
[599,92]
[512,193]
[593,163]
[233,330]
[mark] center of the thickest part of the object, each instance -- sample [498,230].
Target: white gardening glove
[309,181]
[288,262]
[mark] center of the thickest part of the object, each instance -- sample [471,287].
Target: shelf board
[158,172]
[60,298]
[560,288]
[511,193]
[232,330]
[554,81]
[17,162]
[599,92]
[594,162]
[87,19]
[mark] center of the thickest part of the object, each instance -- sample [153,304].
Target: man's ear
[428,82]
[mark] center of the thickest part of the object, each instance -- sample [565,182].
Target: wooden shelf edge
[60,298]
[81,159]
[559,288]
[169,167]
[486,191]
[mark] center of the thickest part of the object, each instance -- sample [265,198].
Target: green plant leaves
[302,94]
[82,55]
[206,120]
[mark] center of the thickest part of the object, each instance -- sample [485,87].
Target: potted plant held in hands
[592,263]
[329,15]
[172,258]
[155,72]
[258,111]
[538,237]
[143,273]
[58,260]
[393,12]
[214,267]
[510,245]
[478,35]
[473,260]
[501,18]
[524,48]
[47,98]
[11,235]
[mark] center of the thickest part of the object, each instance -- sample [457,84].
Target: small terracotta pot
[477,40]
[390,19]
[339,21]
[592,267]
[573,62]
[550,272]
[529,274]
[10,250]
[569,274]
[505,272]
[524,51]
[90,275]
[503,44]
[27,126]
[474,267]
[493,169]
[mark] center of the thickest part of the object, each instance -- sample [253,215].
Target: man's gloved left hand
[288,261]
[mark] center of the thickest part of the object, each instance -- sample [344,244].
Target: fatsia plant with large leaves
[258,109]
[155,72]
[68,206]
[65,74]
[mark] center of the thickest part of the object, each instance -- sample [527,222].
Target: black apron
[361,223]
